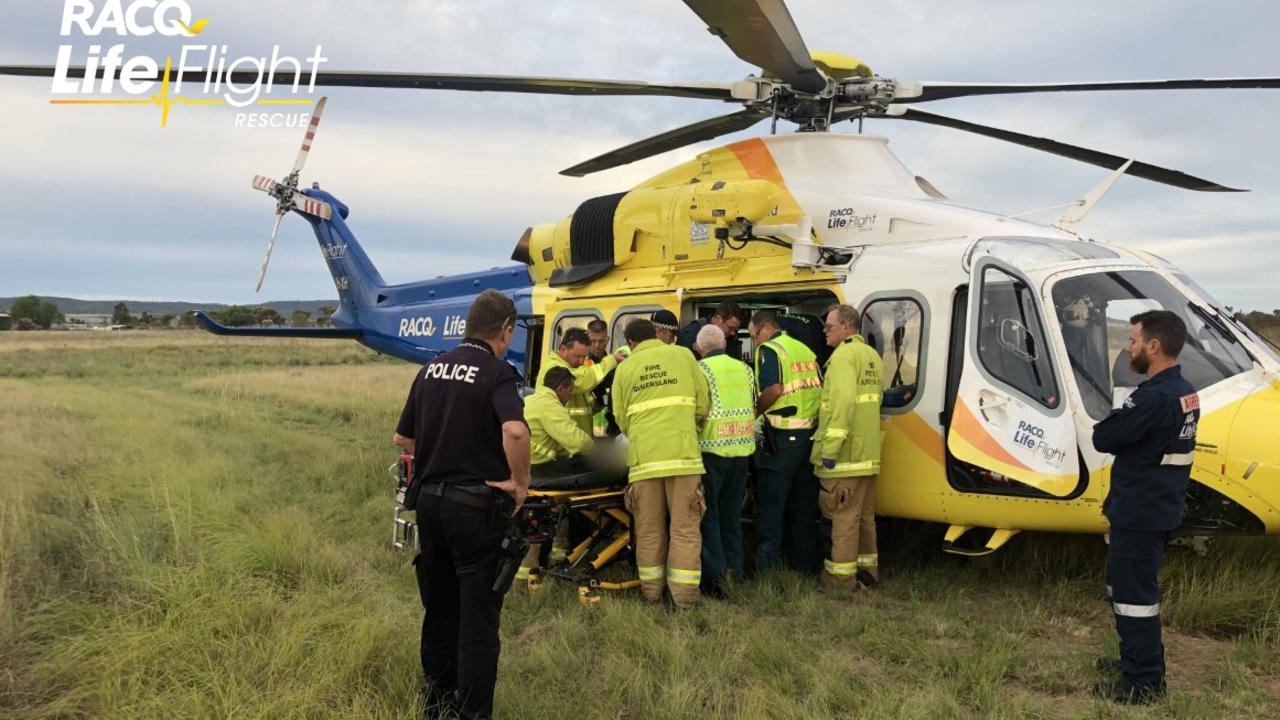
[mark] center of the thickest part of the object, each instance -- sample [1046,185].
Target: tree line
[32,313]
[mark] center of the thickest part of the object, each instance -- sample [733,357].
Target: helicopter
[1003,343]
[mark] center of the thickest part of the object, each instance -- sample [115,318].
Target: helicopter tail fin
[357,280]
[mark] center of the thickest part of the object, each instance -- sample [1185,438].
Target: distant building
[6,322]
[88,320]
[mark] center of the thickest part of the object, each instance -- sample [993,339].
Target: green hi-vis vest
[801,384]
[849,417]
[729,430]
[585,379]
[658,395]
[552,432]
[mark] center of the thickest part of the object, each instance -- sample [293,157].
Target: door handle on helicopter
[992,406]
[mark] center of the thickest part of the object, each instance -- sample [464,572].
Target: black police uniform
[1153,437]
[454,413]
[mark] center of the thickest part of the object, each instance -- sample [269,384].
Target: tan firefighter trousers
[850,504]
[668,558]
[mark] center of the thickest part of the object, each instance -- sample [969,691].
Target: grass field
[192,527]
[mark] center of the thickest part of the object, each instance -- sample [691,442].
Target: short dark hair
[727,309]
[490,314]
[557,376]
[765,317]
[1164,326]
[640,329]
[574,335]
[597,326]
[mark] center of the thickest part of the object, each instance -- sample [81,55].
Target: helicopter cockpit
[1094,312]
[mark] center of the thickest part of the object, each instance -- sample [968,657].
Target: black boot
[1107,665]
[1125,693]
[713,589]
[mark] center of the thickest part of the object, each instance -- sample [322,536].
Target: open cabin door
[1009,416]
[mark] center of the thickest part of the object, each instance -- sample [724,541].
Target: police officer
[1153,436]
[665,325]
[790,390]
[846,452]
[464,422]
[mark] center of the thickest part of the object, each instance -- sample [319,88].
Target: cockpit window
[1011,337]
[1094,312]
[1266,346]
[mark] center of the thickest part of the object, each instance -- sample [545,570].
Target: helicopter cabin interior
[894,326]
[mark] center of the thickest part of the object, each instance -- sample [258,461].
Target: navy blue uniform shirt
[1153,436]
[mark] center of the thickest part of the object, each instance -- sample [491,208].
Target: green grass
[197,528]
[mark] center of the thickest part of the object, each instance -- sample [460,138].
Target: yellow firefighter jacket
[659,397]
[849,412]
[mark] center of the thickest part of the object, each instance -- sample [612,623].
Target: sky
[102,202]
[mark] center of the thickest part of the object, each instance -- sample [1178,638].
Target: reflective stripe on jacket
[849,413]
[658,395]
[801,383]
[585,379]
[729,430]
[552,432]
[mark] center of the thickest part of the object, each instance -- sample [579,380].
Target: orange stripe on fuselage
[757,160]
[970,429]
[920,434]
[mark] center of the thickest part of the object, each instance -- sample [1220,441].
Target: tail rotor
[286,193]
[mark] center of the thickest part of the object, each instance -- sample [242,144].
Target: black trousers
[724,487]
[1133,561]
[456,570]
[787,502]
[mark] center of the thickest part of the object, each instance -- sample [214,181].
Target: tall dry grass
[199,530]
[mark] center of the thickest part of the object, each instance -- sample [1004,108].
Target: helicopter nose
[1252,463]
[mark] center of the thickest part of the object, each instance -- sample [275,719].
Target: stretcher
[588,503]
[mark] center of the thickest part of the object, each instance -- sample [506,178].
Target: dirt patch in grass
[1193,661]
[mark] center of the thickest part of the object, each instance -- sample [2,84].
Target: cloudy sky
[103,202]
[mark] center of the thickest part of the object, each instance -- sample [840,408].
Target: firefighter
[846,452]
[659,397]
[572,354]
[786,489]
[727,442]
[1153,436]
[555,443]
[466,423]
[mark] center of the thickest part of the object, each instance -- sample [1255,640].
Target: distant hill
[74,306]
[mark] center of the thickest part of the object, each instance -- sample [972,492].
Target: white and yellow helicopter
[1003,339]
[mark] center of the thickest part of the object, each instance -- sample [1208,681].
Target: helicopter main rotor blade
[762,33]
[270,246]
[1143,170]
[442,81]
[929,91]
[669,140]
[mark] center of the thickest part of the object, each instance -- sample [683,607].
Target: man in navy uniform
[464,422]
[1153,436]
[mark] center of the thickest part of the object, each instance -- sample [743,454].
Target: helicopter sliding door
[1009,430]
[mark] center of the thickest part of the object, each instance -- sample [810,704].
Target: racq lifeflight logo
[209,71]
